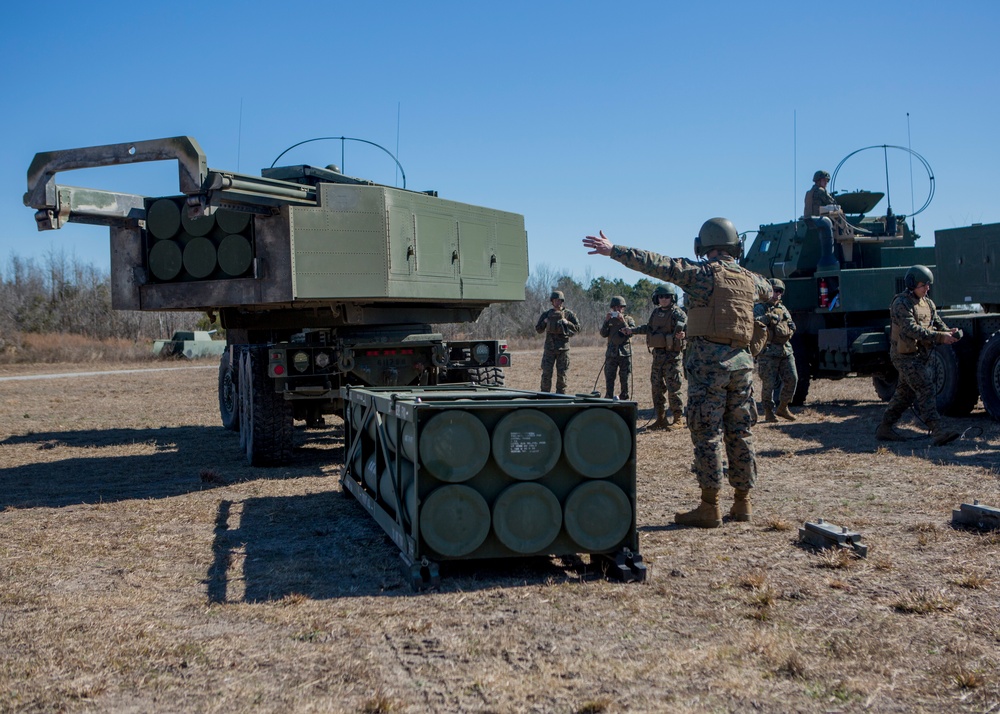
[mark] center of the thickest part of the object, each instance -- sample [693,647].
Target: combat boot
[885,432]
[784,413]
[741,509]
[941,435]
[678,422]
[706,515]
[661,420]
[769,414]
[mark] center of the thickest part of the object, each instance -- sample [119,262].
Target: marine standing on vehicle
[720,413]
[665,332]
[916,329]
[559,324]
[776,363]
[617,328]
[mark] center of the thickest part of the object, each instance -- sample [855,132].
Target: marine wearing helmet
[664,291]
[918,274]
[718,234]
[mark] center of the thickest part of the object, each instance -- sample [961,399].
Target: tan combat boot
[885,432]
[661,420]
[741,509]
[769,414]
[783,412]
[941,435]
[706,515]
[678,422]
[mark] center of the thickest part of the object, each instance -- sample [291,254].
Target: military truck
[842,314]
[190,344]
[321,280]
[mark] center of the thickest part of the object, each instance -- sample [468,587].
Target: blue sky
[643,119]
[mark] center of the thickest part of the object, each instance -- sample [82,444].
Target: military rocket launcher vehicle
[321,280]
[842,312]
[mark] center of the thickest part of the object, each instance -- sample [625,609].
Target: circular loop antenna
[911,152]
[342,139]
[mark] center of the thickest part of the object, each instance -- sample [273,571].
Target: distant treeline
[60,295]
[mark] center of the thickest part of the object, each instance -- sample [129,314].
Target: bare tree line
[63,295]
[59,294]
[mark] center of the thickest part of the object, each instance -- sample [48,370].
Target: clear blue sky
[641,118]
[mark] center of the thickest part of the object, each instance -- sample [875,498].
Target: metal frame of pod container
[467,472]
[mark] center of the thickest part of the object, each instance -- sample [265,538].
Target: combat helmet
[918,274]
[557,295]
[778,284]
[618,301]
[718,233]
[820,175]
[664,291]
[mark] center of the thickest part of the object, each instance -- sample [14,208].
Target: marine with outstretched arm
[720,411]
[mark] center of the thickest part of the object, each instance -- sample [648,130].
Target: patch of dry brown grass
[142,562]
[50,348]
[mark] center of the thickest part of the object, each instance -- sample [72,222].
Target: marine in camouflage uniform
[665,332]
[558,324]
[721,411]
[916,329]
[776,363]
[617,327]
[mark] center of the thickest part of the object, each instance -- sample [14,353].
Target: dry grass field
[144,567]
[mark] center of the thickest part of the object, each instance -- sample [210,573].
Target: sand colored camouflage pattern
[555,353]
[915,386]
[618,355]
[721,409]
[665,372]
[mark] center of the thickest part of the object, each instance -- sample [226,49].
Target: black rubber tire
[956,387]
[885,384]
[988,375]
[267,425]
[487,376]
[229,397]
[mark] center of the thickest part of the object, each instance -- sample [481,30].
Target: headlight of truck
[301,361]
[322,360]
[481,352]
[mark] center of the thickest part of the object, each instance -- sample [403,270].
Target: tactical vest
[552,325]
[905,345]
[661,329]
[728,317]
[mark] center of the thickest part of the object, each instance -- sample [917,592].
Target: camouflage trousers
[665,378]
[720,414]
[913,388]
[558,359]
[620,365]
[777,371]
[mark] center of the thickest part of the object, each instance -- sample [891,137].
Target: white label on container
[526,442]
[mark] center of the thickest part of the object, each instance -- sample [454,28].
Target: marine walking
[916,330]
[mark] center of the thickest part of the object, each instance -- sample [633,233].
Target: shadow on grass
[184,459]
[325,545]
[854,432]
